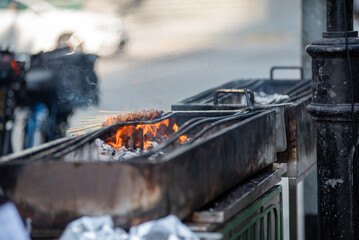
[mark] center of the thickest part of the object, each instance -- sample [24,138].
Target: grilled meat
[146,115]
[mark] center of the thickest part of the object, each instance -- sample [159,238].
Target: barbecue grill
[221,153]
[299,151]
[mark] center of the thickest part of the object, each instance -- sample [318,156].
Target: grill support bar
[333,81]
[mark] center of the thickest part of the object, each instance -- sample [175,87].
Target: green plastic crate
[263,219]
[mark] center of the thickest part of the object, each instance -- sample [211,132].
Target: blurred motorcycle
[50,86]
[11,83]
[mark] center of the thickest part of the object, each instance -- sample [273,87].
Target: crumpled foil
[90,228]
[11,225]
[168,228]
[264,98]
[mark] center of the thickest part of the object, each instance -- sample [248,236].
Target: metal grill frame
[182,182]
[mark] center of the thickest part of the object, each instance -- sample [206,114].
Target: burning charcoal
[139,135]
[137,138]
[106,152]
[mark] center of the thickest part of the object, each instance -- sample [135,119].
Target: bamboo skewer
[88,123]
[101,116]
[115,112]
[95,120]
[83,128]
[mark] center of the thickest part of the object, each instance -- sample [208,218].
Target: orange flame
[182,138]
[175,127]
[142,135]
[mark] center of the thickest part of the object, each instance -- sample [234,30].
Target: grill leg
[293,209]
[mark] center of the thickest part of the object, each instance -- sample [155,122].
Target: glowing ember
[182,138]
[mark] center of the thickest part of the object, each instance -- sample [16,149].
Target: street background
[178,48]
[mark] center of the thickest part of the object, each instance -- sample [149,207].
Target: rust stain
[291,133]
[85,189]
[293,153]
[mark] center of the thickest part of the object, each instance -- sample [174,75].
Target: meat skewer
[83,128]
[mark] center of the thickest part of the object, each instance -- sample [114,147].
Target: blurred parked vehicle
[31,26]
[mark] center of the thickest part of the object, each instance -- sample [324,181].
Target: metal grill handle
[248,93]
[286,67]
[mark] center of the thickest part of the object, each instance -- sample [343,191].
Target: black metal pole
[335,99]
[335,15]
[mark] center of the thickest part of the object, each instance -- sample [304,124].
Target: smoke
[76,82]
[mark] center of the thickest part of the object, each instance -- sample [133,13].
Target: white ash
[124,154]
[264,98]
[105,151]
[156,155]
[154,144]
[108,153]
